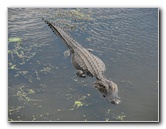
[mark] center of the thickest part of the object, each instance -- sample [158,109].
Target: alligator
[87,64]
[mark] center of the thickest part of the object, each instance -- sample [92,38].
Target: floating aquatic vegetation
[78,104]
[15,39]
[64,18]
[76,14]
[43,85]
[13,110]
[17,51]
[120,117]
[12,66]
[69,96]
[23,73]
[37,75]
[108,111]
[67,25]
[20,54]
[46,69]
[31,91]
[23,94]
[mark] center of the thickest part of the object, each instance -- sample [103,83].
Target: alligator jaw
[108,89]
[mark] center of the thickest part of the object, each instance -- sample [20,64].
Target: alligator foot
[89,74]
[67,53]
[80,73]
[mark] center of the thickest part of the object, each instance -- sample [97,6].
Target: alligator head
[108,89]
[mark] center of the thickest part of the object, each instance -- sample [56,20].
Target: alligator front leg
[67,53]
[80,73]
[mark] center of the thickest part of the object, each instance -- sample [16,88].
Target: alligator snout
[116,101]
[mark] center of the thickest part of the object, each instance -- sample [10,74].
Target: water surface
[42,85]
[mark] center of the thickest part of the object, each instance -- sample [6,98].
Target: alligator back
[82,59]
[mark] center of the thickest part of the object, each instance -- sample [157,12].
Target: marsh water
[42,84]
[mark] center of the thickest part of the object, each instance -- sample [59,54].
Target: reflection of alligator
[87,64]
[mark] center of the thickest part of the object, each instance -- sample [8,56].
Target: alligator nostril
[113,102]
[104,96]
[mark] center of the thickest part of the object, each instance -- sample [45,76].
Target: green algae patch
[14,39]
[78,104]
[13,67]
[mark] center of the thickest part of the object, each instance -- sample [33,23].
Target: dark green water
[42,85]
